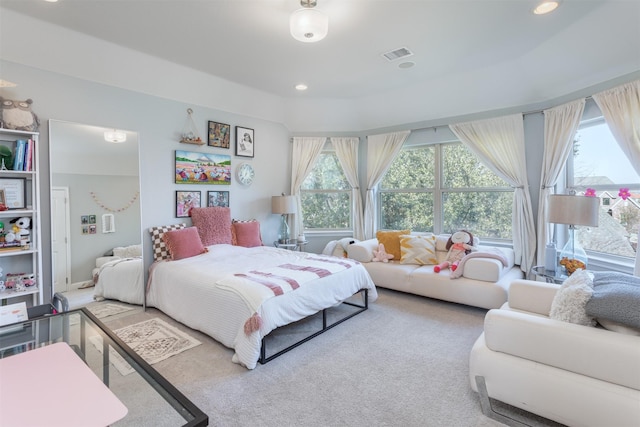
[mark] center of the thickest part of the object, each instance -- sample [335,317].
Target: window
[599,163]
[326,196]
[442,188]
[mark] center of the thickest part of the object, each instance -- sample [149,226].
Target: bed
[230,292]
[120,276]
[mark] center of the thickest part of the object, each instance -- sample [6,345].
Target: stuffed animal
[18,115]
[381,254]
[339,247]
[459,244]
[21,228]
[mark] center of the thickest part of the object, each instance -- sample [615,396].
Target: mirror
[95,184]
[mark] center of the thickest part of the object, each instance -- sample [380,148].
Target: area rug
[101,311]
[154,340]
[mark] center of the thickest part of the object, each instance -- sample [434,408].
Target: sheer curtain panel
[499,144]
[347,152]
[304,156]
[560,126]
[381,150]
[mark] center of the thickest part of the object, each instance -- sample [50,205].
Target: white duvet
[195,291]
[121,279]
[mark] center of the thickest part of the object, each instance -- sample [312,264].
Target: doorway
[60,239]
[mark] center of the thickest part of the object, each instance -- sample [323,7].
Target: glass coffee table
[148,397]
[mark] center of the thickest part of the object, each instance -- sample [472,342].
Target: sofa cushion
[391,241]
[419,250]
[616,296]
[592,352]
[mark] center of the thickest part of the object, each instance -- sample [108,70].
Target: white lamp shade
[283,204]
[574,210]
[308,25]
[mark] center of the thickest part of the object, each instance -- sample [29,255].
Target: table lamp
[283,205]
[573,210]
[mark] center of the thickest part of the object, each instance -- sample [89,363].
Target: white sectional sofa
[484,282]
[573,374]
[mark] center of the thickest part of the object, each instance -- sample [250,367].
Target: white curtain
[620,107]
[305,153]
[381,150]
[347,152]
[499,144]
[560,126]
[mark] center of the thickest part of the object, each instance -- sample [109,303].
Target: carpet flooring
[404,362]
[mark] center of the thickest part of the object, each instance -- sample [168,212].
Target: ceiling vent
[395,54]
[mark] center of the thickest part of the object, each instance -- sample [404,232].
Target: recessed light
[407,64]
[301,86]
[546,6]
[51,1]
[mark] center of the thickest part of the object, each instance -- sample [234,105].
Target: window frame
[439,190]
[329,149]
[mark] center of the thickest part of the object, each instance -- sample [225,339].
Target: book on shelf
[23,155]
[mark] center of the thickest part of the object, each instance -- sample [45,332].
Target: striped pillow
[419,250]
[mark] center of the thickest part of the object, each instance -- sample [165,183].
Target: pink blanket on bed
[494,253]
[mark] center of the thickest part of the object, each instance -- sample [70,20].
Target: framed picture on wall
[245,142]
[219,134]
[185,200]
[218,199]
[202,168]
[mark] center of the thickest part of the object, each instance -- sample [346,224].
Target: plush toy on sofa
[459,244]
[381,255]
[18,115]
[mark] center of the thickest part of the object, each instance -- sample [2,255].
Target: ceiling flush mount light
[301,87]
[546,6]
[115,136]
[308,24]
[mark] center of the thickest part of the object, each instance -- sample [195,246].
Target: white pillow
[419,250]
[569,304]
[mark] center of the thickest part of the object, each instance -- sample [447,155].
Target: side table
[549,276]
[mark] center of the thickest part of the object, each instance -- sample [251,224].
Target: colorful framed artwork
[202,168]
[219,134]
[185,201]
[245,142]
[218,199]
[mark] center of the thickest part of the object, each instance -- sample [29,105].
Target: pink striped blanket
[257,286]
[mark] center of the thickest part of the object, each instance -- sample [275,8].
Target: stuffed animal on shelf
[381,255]
[18,115]
[459,244]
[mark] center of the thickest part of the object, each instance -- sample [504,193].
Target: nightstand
[549,276]
[294,245]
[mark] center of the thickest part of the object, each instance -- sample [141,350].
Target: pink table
[52,386]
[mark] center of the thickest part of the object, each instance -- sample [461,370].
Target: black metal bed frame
[365,305]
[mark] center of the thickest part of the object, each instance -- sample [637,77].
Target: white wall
[159,123]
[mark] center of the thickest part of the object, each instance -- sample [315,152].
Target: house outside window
[598,163]
[326,196]
[442,188]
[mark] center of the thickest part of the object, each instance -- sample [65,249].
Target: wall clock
[245,174]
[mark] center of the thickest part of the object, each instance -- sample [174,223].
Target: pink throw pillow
[184,243]
[213,223]
[247,234]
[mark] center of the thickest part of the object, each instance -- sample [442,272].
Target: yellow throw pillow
[419,250]
[391,241]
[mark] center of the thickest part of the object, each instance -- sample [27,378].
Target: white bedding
[121,279]
[193,292]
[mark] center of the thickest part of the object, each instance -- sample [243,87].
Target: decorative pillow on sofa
[391,241]
[246,233]
[616,296]
[569,304]
[213,223]
[183,243]
[419,249]
[160,250]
